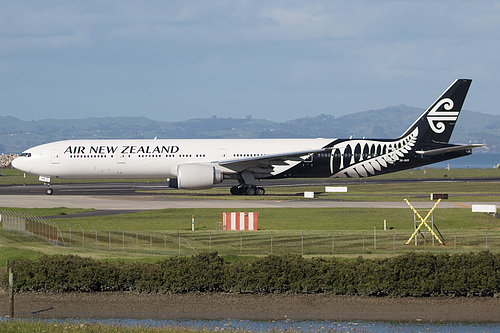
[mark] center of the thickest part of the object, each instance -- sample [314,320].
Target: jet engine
[197,176]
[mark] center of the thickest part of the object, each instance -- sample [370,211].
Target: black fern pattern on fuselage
[368,157]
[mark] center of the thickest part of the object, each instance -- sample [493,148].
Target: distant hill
[17,135]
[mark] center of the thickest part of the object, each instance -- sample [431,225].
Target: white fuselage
[139,158]
[196,163]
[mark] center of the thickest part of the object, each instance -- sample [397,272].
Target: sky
[275,60]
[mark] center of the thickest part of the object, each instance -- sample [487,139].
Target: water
[474,161]
[293,325]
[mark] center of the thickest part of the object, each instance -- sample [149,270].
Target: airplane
[201,163]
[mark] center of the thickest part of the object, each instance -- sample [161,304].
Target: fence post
[374,237]
[58,232]
[150,242]
[123,240]
[48,229]
[11,293]
[455,242]
[36,228]
[271,242]
[333,243]
[109,239]
[210,241]
[83,236]
[136,240]
[69,234]
[302,242]
[95,236]
[179,234]
[165,238]
[394,241]
[54,230]
[486,239]
[363,240]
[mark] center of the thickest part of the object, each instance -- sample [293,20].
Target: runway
[105,197]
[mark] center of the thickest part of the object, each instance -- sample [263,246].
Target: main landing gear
[247,185]
[247,190]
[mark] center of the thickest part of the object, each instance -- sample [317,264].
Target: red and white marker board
[240,221]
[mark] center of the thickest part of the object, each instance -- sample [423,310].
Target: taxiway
[128,197]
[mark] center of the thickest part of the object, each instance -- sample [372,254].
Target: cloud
[27,25]
[271,48]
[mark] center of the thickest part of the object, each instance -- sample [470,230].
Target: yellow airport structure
[423,221]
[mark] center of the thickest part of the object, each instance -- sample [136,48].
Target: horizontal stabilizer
[447,149]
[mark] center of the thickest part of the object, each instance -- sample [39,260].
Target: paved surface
[146,202]
[136,187]
[127,198]
[85,189]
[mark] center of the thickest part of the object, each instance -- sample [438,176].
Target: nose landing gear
[49,189]
[46,182]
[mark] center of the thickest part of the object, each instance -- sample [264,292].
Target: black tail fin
[436,124]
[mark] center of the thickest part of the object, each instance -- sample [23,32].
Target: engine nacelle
[197,176]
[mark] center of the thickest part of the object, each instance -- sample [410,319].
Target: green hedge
[405,275]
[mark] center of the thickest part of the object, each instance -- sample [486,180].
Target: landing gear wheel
[251,190]
[235,190]
[49,191]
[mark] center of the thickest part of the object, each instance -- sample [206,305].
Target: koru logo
[436,118]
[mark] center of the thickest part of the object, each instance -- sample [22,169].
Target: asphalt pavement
[126,197]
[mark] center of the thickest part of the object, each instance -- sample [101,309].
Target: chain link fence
[31,226]
[262,242]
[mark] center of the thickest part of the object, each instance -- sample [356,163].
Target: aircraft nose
[21,164]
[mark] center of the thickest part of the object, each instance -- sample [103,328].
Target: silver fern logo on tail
[382,155]
[436,118]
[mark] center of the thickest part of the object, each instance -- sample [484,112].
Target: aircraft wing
[448,149]
[265,163]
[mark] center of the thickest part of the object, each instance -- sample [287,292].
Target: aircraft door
[120,159]
[54,156]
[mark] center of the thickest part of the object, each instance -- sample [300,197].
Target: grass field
[322,231]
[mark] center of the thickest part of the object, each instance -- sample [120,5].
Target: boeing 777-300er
[201,163]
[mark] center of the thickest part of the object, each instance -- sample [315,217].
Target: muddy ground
[256,307]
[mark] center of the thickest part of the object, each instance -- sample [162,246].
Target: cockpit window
[25,154]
